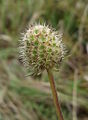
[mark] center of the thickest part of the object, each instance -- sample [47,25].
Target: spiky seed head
[41,48]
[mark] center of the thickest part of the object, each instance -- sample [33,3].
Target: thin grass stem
[55,97]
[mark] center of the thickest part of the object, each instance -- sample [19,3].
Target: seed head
[41,48]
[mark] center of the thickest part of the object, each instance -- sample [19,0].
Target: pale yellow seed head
[41,48]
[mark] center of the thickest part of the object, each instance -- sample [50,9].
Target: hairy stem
[55,97]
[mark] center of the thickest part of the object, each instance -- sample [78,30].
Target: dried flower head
[41,48]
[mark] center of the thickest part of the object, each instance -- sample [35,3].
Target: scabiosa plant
[42,49]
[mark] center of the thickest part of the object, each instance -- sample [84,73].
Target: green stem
[55,97]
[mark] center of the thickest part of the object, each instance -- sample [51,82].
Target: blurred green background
[29,98]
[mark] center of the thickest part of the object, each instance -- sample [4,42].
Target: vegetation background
[29,98]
